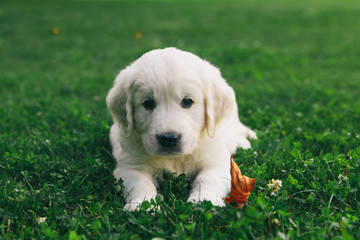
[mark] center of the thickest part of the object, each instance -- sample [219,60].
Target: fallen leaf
[241,186]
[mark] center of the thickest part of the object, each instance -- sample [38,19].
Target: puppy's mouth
[168,153]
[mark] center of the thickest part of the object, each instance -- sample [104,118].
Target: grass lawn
[294,65]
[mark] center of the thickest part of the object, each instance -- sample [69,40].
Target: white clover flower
[274,186]
[342,177]
[40,220]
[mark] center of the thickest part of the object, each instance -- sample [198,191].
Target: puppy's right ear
[119,102]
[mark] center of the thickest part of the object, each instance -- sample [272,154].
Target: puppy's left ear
[219,100]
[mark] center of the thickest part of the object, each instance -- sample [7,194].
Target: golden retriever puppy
[173,112]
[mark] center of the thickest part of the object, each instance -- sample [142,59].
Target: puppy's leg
[211,184]
[251,134]
[245,133]
[139,187]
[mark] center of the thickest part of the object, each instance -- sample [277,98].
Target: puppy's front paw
[216,201]
[132,206]
[135,206]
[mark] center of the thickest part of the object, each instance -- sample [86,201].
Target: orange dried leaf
[241,186]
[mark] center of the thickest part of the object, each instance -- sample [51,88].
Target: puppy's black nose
[168,140]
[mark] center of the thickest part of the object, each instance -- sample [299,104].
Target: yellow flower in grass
[138,35]
[55,31]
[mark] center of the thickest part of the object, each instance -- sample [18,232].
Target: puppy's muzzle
[169,141]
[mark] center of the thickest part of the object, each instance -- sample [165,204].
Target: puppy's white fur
[210,129]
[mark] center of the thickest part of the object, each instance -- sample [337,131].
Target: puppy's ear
[219,100]
[119,102]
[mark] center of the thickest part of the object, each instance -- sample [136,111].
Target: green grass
[295,69]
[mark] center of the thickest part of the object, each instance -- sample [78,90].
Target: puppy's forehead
[171,56]
[168,69]
[168,86]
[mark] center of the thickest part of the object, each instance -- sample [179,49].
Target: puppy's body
[174,112]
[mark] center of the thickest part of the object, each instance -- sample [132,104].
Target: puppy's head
[170,98]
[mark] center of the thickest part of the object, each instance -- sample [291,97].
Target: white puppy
[174,112]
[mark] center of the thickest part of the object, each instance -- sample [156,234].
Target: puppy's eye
[187,102]
[149,104]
